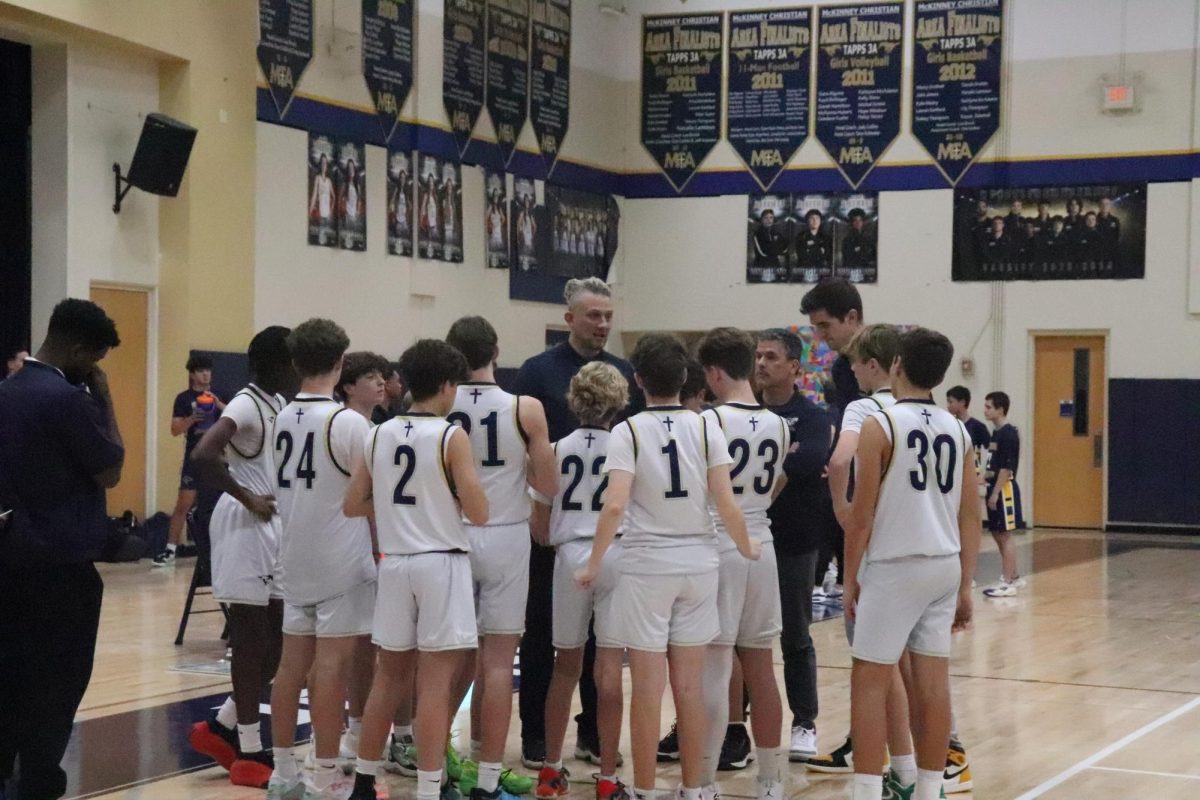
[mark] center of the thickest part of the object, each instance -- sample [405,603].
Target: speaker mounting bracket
[119,192]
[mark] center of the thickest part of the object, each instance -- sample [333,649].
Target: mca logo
[855,155]
[766,158]
[679,160]
[281,76]
[954,151]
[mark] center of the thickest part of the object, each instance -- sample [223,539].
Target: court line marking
[1091,760]
[1150,772]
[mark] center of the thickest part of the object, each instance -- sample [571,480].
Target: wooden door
[128,376]
[1068,431]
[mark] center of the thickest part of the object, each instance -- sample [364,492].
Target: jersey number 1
[492,423]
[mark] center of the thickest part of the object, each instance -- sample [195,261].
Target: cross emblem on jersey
[668,422]
[475,393]
[925,413]
[408,426]
[590,439]
[299,414]
[753,423]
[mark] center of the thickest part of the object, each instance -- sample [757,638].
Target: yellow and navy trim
[517,419]
[262,420]
[891,450]
[704,436]
[329,441]
[633,434]
[443,443]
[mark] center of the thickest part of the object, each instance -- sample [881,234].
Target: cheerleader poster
[495,218]
[450,198]
[400,204]
[429,210]
[351,184]
[322,225]
[525,223]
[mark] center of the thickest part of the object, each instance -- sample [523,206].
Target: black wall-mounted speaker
[162,155]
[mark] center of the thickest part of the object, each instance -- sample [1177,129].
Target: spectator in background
[195,411]
[1003,495]
[801,519]
[61,450]
[395,400]
[958,403]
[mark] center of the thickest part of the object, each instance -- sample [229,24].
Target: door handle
[1098,450]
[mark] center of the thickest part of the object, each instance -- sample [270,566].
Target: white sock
[905,768]
[489,775]
[691,794]
[929,785]
[355,726]
[285,762]
[400,731]
[953,726]
[364,767]
[645,794]
[227,713]
[772,763]
[429,784]
[868,787]
[554,764]
[324,773]
[171,548]
[250,738]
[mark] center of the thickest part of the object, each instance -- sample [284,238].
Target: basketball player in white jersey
[664,465]
[418,480]
[245,551]
[870,352]
[597,394]
[512,452]
[328,567]
[910,553]
[748,591]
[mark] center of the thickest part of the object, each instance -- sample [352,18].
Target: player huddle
[417,532]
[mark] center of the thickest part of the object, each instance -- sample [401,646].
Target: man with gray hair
[546,377]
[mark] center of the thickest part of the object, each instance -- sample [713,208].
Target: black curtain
[15,215]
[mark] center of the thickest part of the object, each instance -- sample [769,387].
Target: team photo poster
[439,209]
[337,193]
[1050,233]
[805,238]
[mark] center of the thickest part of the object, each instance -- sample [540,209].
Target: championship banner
[463,63]
[507,71]
[767,96]
[956,80]
[860,55]
[400,203]
[387,56]
[285,46]
[681,91]
[1050,233]
[550,76]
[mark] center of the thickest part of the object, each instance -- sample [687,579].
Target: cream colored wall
[203,51]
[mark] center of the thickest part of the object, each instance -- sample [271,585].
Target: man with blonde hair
[547,377]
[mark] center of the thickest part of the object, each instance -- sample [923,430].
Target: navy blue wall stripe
[308,114]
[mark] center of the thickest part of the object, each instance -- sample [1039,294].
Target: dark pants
[834,544]
[796,575]
[49,615]
[537,656]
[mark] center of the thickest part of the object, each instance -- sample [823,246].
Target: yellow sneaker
[957,776]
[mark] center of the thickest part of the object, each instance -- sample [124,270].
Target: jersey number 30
[945,461]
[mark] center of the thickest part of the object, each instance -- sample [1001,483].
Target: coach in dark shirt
[546,377]
[800,520]
[60,450]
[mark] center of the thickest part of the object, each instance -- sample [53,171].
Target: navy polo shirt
[53,439]
[547,376]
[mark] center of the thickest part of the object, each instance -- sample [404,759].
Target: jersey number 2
[408,457]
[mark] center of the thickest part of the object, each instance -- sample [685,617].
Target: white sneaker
[818,593]
[340,789]
[283,789]
[348,751]
[710,792]
[804,744]
[770,790]
[1001,589]
[1020,582]
[835,591]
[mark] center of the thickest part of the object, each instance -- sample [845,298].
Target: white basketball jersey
[581,484]
[249,453]
[919,498]
[415,508]
[489,415]
[670,451]
[758,443]
[323,552]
